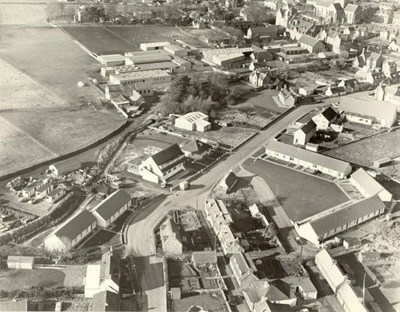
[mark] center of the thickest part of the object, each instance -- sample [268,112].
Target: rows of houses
[80,226]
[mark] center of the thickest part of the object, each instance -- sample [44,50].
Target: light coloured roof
[92,279]
[348,295]
[381,110]
[351,7]
[20,259]
[154,44]
[308,40]
[227,57]
[141,75]
[368,183]
[305,155]
[193,117]
[174,47]
[241,262]
[111,57]
[335,220]
[329,269]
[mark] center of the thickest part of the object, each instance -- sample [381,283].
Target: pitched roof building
[368,186]
[170,238]
[313,45]
[106,301]
[196,149]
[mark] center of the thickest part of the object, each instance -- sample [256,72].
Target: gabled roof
[169,230]
[230,179]
[324,3]
[110,267]
[75,226]
[196,147]
[166,155]
[279,290]
[305,155]
[368,183]
[67,166]
[351,7]
[113,203]
[54,192]
[106,301]
[308,127]
[308,40]
[346,215]
[44,187]
[329,113]
[329,269]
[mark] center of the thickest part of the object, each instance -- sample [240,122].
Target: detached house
[196,149]
[304,134]
[170,238]
[313,45]
[325,118]
[111,208]
[352,13]
[258,79]
[71,233]
[163,165]
[286,98]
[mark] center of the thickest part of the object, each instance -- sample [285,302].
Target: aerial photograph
[200,155]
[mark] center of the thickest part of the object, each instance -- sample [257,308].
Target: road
[140,237]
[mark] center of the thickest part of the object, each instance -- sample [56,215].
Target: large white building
[368,112]
[111,208]
[194,121]
[331,223]
[154,77]
[163,165]
[154,45]
[71,233]
[368,186]
[318,162]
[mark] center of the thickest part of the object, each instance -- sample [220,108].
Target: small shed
[368,256]
[20,262]
[175,293]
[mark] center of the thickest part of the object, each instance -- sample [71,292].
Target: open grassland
[383,145]
[49,57]
[19,150]
[64,130]
[17,13]
[23,279]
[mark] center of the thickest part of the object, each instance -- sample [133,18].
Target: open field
[22,279]
[301,195]
[120,39]
[52,127]
[51,59]
[18,13]
[383,145]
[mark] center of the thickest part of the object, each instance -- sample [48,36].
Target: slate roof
[54,192]
[368,183]
[230,179]
[308,40]
[346,215]
[67,166]
[168,154]
[308,127]
[106,301]
[329,113]
[305,155]
[279,290]
[196,146]
[44,187]
[113,203]
[110,266]
[75,226]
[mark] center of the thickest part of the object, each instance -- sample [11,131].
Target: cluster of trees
[41,293]
[188,94]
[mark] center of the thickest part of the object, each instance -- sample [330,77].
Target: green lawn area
[301,195]
[22,279]
[263,100]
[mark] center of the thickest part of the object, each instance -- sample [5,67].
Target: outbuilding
[20,262]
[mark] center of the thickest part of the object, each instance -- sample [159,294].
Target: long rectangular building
[296,155]
[148,76]
[321,228]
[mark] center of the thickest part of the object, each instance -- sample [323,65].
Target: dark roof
[276,307]
[346,215]
[204,257]
[106,301]
[168,154]
[264,31]
[329,113]
[75,226]
[110,267]
[196,146]
[279,290]
[308,127]
[113,203]
[230,179]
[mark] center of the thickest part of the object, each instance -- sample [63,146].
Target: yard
[301,195]
[22,279]
[380,146]
[207,302]
[102,237]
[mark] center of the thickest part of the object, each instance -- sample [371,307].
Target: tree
[110,11]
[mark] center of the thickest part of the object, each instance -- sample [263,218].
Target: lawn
[380,146]
[301,195]
[263,100]
[52,60]
[64,130]
[22,279]
[23,13]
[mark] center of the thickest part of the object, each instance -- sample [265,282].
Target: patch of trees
[368,15]
[40,292]
[188,94]
[55,217]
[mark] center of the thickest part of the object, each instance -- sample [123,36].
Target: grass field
[22,279]
[18,13]
[383,145]
[301,195]
[49,57]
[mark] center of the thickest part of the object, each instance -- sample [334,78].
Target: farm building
[314,161]
[20,262]
[368,186]
[196,149]
[44,190]
[175,50]
[111,208]
[163,165]
[114,60]
[153,46]
[228,182]
[104,276]
[368,112]
[72,232]
[154,77]
[194,121]
[345,293]
[55,195]
[170,238]
[64,167]
[204,258]
[106,301]
[319,228]
[325,118]
[304,134]
[30,189]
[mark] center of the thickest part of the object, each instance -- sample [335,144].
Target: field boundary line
[116,35]
[29,136]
